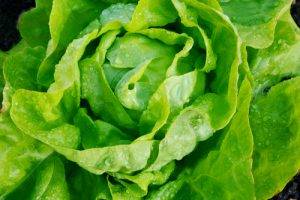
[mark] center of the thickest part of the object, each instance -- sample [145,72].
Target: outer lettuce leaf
[33,25]
[20,68]
[48,114]
[67,19]
[119,158]
[275,124]
[112,2]
[65,14]
[47,182]
[280,60]
[233,156]
[2,81]
[19,155]
[39,117]
[20,71]
[256,20]
[129,95]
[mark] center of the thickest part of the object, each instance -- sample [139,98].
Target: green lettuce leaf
[24,65]
[203,177]
[98,133]
[95,87]
[19,156]
[257,19]
[269,66]
[140,99]
[95,186]
[53,110]
[151,13]
[136,186]
[33,25]
[211,111]
[63,17]
[2,81]
[46,182]
[274,121]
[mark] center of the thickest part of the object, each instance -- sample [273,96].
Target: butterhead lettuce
[151,99]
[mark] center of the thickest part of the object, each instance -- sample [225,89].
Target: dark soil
[9,36]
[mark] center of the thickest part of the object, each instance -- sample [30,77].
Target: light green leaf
[2,82]
[256,20]
[169,191]
[144,179]
[98,133]
[169,99]
[113,75]
[84,185]
[117,12]
[49,114]
[212,111]
[38,116]
[19,155]
[67,19]
[281,59]
[150,60]
[46,182]
[20,69]
[275,125]
[181,62]
[189,19]
[67,74]
[33,25]
[132,50]
[65,14]
[233,156]
[119,158]
[96,90]
[151,13]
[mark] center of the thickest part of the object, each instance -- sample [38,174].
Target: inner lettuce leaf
[148,99]
[205,178]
